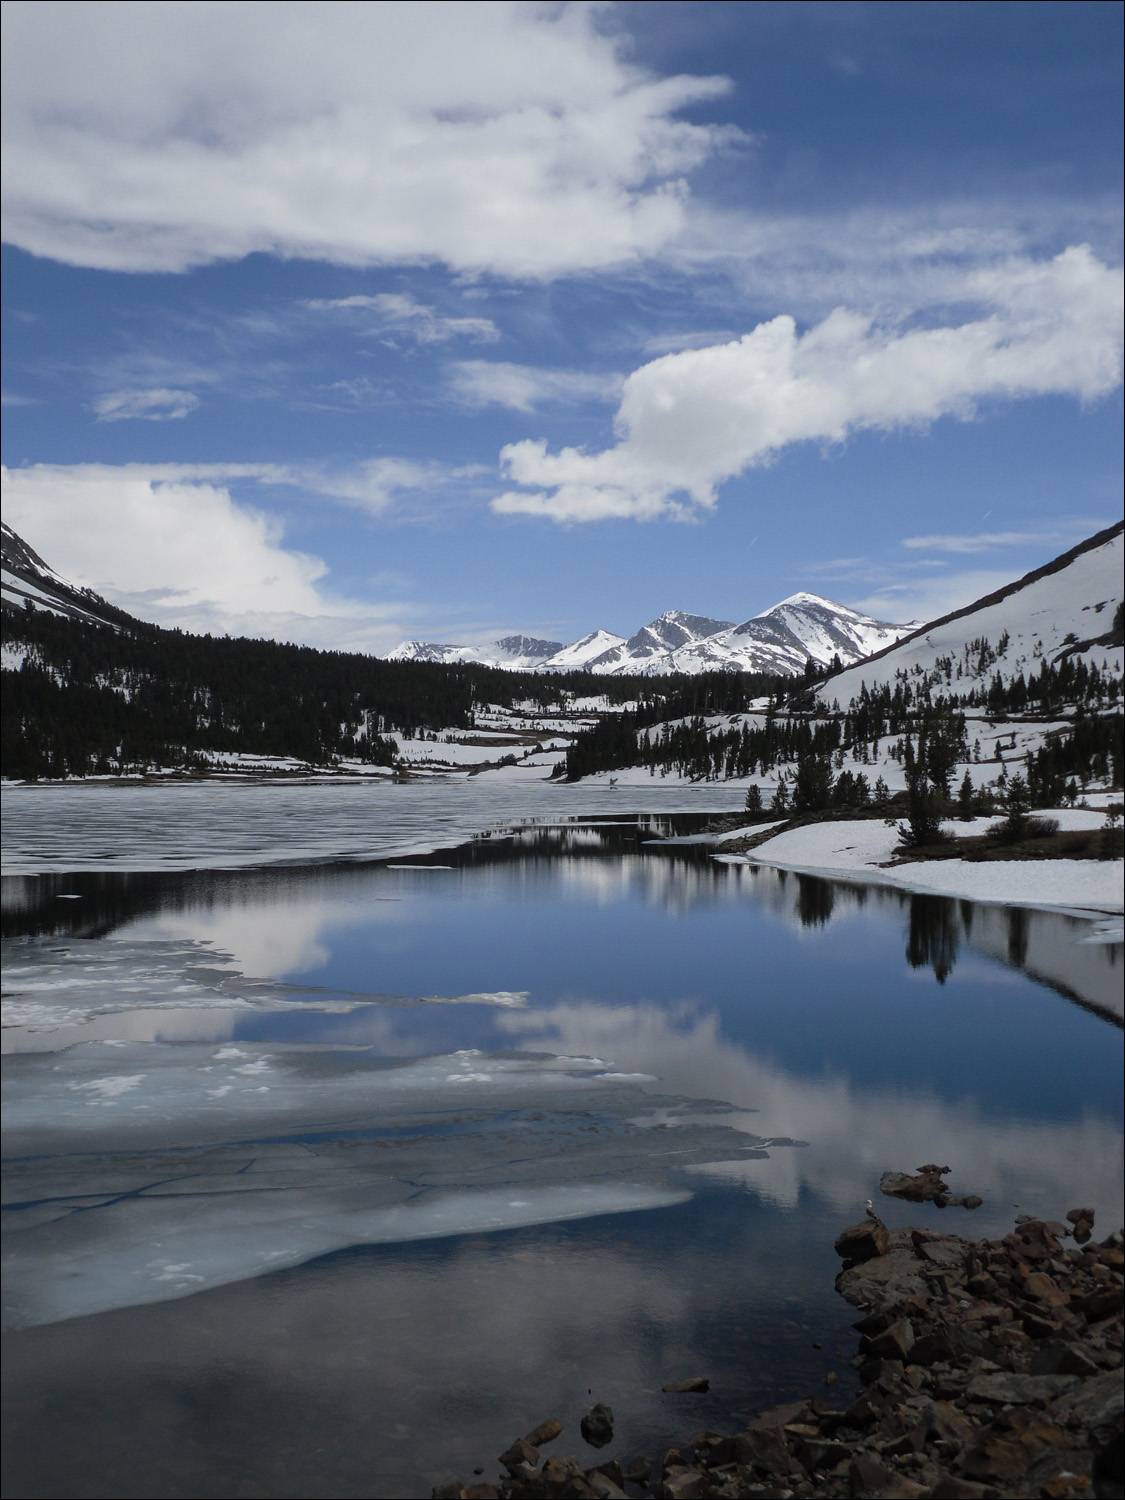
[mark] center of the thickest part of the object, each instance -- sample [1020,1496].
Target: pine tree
[966,799]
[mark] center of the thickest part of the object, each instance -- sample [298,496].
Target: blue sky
[347,323]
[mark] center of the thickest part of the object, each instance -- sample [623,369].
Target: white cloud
[153,406]
[490,136]
[689,421]
[486,382]
[170,544]
[399,313]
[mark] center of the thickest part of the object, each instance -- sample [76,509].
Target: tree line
[98,698]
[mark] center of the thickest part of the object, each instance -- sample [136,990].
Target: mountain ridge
[1047,614]
[26,579]
[802,628]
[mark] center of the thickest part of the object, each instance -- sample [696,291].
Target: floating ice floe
[143,1172]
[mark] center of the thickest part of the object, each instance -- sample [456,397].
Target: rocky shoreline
[990,1369]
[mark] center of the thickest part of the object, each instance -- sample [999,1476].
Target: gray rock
[520,1455]
[597,1425]
[1097,1402]
[1006,1388]
[546,1432]
[1058,1357]
[894,1342]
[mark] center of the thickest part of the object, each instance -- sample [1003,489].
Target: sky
[345,324]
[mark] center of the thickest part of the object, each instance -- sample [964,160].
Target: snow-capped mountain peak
[516,653]
[579,654]
[782,639]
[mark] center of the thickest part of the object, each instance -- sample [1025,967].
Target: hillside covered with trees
[83,697]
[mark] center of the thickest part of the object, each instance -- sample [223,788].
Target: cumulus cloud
[689,421]
[486,382]
[489,136]
[152,406]
[398,313]
[172,545]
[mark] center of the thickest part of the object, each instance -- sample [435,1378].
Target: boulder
[1006,1388]
[863,1241]
[521,1454]
[683,1484]
[597,1425]
[545,1433]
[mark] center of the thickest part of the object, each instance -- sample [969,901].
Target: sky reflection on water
[742,1005]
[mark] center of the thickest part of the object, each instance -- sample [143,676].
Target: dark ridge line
[1057,565]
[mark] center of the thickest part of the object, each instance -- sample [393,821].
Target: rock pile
[990,1369]
[928,1186]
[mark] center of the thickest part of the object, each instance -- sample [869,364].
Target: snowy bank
[863,851]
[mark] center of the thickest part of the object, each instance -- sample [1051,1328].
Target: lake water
[332,1178]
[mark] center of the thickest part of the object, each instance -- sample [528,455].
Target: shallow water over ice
[332,1179]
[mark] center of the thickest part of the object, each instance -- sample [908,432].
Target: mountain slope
[27,579]
[1065,609]
[579,655]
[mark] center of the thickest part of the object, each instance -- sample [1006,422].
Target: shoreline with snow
[862,851]
[182,824]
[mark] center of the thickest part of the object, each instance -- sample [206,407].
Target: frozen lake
[332,1177]
[212,825]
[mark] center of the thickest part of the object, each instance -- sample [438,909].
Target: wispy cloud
[673,343]
[690,421]
[930,598]
[838,567]
[891,260]
[398,314]
[991,541]
[161,405]
[378,485]
[483,382]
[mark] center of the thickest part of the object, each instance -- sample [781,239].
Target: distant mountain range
[800,629]
[87,689]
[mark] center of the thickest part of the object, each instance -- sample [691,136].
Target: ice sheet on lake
[161,1243]
[55,983]
[143,1172]
[213,825]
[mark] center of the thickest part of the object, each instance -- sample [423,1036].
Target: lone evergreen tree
[966,799]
